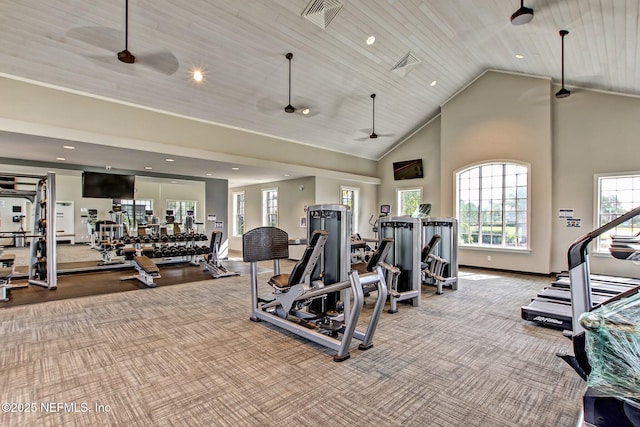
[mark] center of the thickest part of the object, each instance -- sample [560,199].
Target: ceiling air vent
[321,12]
[405,64]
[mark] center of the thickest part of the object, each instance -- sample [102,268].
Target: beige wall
[293,196]
[500,116]
[503,117]
[62,114]
[594,133]
[328,192]
[425,145]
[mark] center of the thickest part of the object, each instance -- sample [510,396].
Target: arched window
[492,205]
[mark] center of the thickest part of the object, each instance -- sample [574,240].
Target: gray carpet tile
[188,355]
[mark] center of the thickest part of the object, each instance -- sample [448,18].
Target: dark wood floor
[101,282]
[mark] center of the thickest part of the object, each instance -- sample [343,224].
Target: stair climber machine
[321,299]
[606,342]
[404,255]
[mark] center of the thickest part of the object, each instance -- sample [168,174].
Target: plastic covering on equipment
[613,347]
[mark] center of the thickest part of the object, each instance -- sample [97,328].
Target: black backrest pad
[380,253]
[265,243]
[295,276]
[216,239]
[429,247]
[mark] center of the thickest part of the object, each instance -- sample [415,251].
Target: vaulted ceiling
[240,46]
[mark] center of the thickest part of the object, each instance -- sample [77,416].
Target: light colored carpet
[189,356]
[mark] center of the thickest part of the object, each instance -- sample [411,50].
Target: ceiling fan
[373,134]
[110,39]
[523,15]
[271,106]
[305,110]
[563,93]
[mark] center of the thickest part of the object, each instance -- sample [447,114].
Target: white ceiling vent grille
[322,12]
[405,64]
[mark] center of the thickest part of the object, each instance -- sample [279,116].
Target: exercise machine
[443,263]
[385,211]
[378,259]
[605,341]
[189,222]
[289,306]
[405,255]
[432,265]
[213,263]
[7,262]
[146,269]
[334,263]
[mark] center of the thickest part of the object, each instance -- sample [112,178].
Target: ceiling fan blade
[162,61]
[102,37]
[268,106]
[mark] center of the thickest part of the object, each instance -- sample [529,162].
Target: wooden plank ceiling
[241,46]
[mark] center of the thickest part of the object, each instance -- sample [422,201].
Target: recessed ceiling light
[174,182]
[286,174]
[69,147]
[371,40]
[148,168]
[433,83]
[519,56]
[305,111]
[169,160]
[209,174]
[198,75]
[61,158]
[236,169]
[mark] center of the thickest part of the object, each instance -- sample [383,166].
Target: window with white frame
[180,209]
[135,211]
[270,207]
[409,199]
[617,195]
[349,197]
[238,213]
[492,202]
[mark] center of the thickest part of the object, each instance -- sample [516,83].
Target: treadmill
[605,338]
[552,306]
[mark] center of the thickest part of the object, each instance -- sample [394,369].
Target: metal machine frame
[270,243]
[596,408]
[446,253]
[43,200]
[405,255]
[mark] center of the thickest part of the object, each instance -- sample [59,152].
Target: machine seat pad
[129,250]
[147,265]
[281,281]
[5,273]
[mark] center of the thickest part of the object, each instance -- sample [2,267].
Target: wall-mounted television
[99,185]
[408,169]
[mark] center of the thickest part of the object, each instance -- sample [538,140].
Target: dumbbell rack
[181,247]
